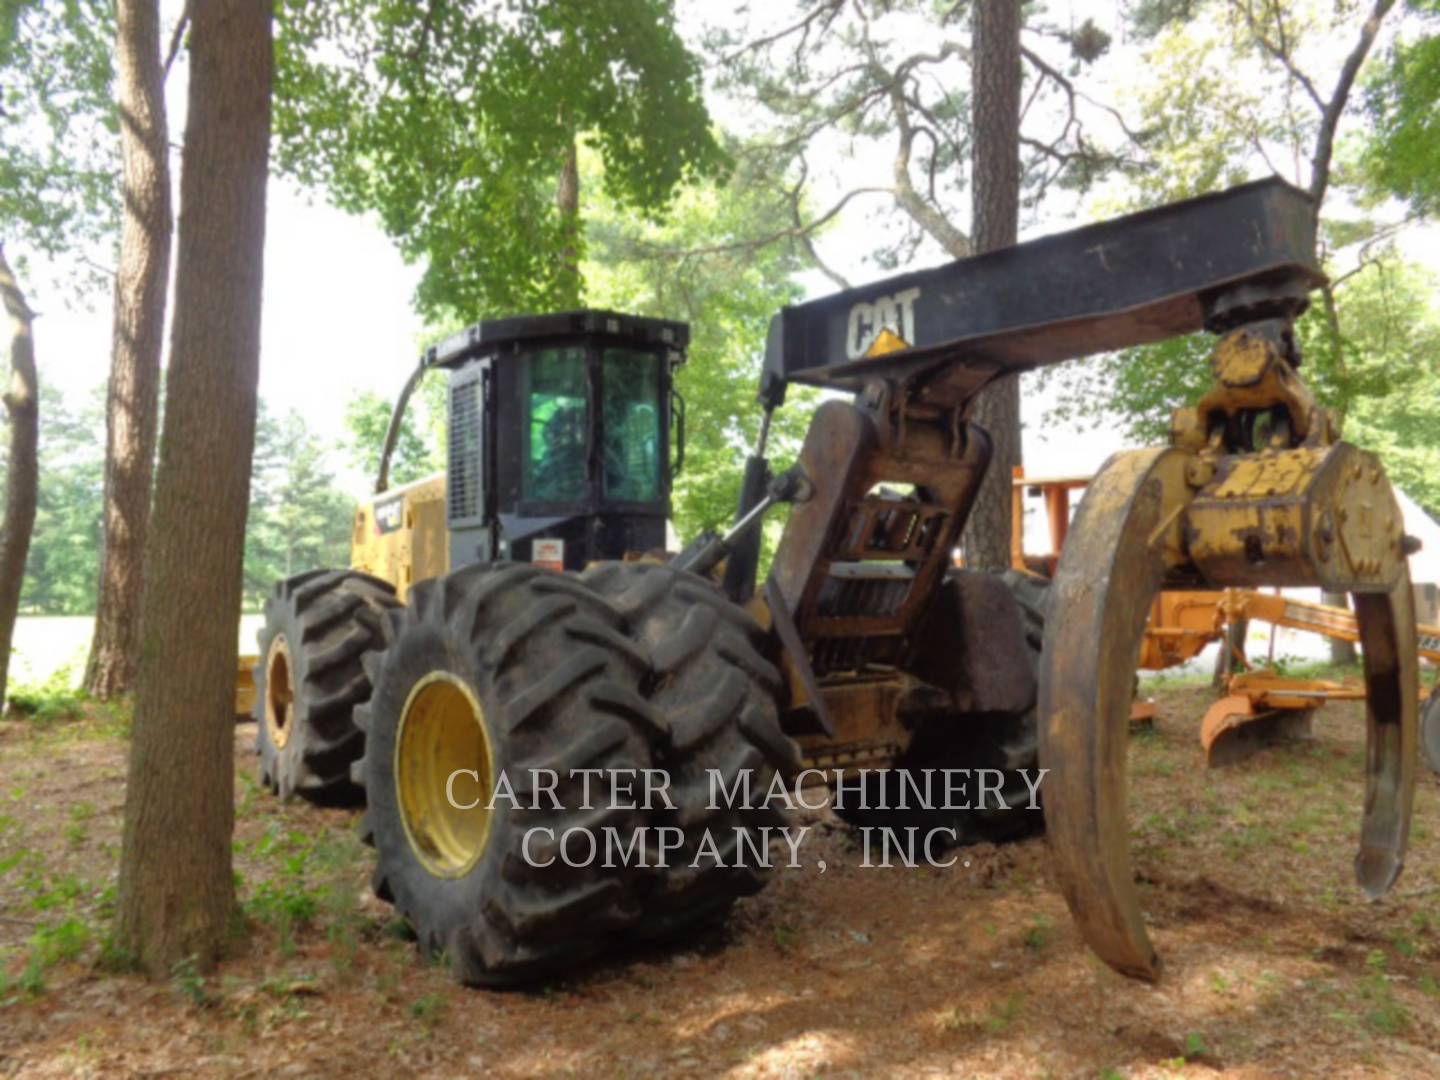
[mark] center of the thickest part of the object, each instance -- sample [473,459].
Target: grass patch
[48,702]
[310,882]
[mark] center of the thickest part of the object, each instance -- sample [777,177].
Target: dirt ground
[1276,966]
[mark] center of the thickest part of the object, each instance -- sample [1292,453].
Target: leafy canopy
[1402,156]
[714,264]
[59,145]
[451,119]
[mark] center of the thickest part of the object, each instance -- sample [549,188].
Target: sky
[337,314]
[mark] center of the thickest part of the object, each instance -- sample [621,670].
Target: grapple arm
[1250,493]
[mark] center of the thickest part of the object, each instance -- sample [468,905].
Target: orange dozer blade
[1235,728]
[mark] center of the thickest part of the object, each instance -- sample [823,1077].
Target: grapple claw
[1112,565]
[1392,692]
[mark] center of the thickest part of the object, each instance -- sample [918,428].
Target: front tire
[505,669]
[711,681]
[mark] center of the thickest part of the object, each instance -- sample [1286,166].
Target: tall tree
[177,893]
[454,122]
[21,476]
[141,281]
[895,93]
[995,222]
[298,518]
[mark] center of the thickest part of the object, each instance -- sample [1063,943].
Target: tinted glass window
[630,384]
[555,426]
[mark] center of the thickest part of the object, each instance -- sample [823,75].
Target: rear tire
[711,680]
[1430,729]
[309,678]
[551,683]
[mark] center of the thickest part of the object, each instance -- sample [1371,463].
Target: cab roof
[494,335]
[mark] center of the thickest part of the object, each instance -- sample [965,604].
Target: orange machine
[1258,706]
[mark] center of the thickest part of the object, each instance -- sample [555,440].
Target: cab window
[630,391]
[555,426]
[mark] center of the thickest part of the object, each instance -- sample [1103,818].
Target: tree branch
[797,232]
[1330,117]
[176,37]
[805,234]
[922,212]
[1074,95]
[1280,51]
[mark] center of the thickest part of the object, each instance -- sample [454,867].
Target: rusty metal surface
[859,569]
[245,685]
[1113,563]
[1238,726]
[1309,516]
[1392,691]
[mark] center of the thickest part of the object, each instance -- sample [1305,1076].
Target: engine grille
[463,484]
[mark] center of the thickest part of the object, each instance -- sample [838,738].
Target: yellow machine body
[400,536]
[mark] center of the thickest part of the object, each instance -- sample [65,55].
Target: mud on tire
[709,678]
[554,679]
[309,679]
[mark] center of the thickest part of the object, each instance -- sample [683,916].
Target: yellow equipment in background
[399,537]
[1258,706]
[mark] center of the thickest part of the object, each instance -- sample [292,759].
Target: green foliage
[189,984]
[1402,152]
[58,129]
[298,518]
[61,572]
[420,447]
[46,702]
[60,943]
[1383,377]
[450,120]
[311,877]
[704,266]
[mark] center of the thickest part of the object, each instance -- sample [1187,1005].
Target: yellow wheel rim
[279,693]
[443,763]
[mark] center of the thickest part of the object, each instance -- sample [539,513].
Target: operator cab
[560,448]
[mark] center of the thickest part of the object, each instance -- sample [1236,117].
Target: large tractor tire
[309,679]
[1005,741]
[710,679]
[1430,729]
[504,669]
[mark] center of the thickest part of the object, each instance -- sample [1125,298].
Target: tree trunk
[995,221]
[22,404]
[567,201]
[139,325]
[176,895]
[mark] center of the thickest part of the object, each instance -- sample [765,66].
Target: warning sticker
[549,554]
